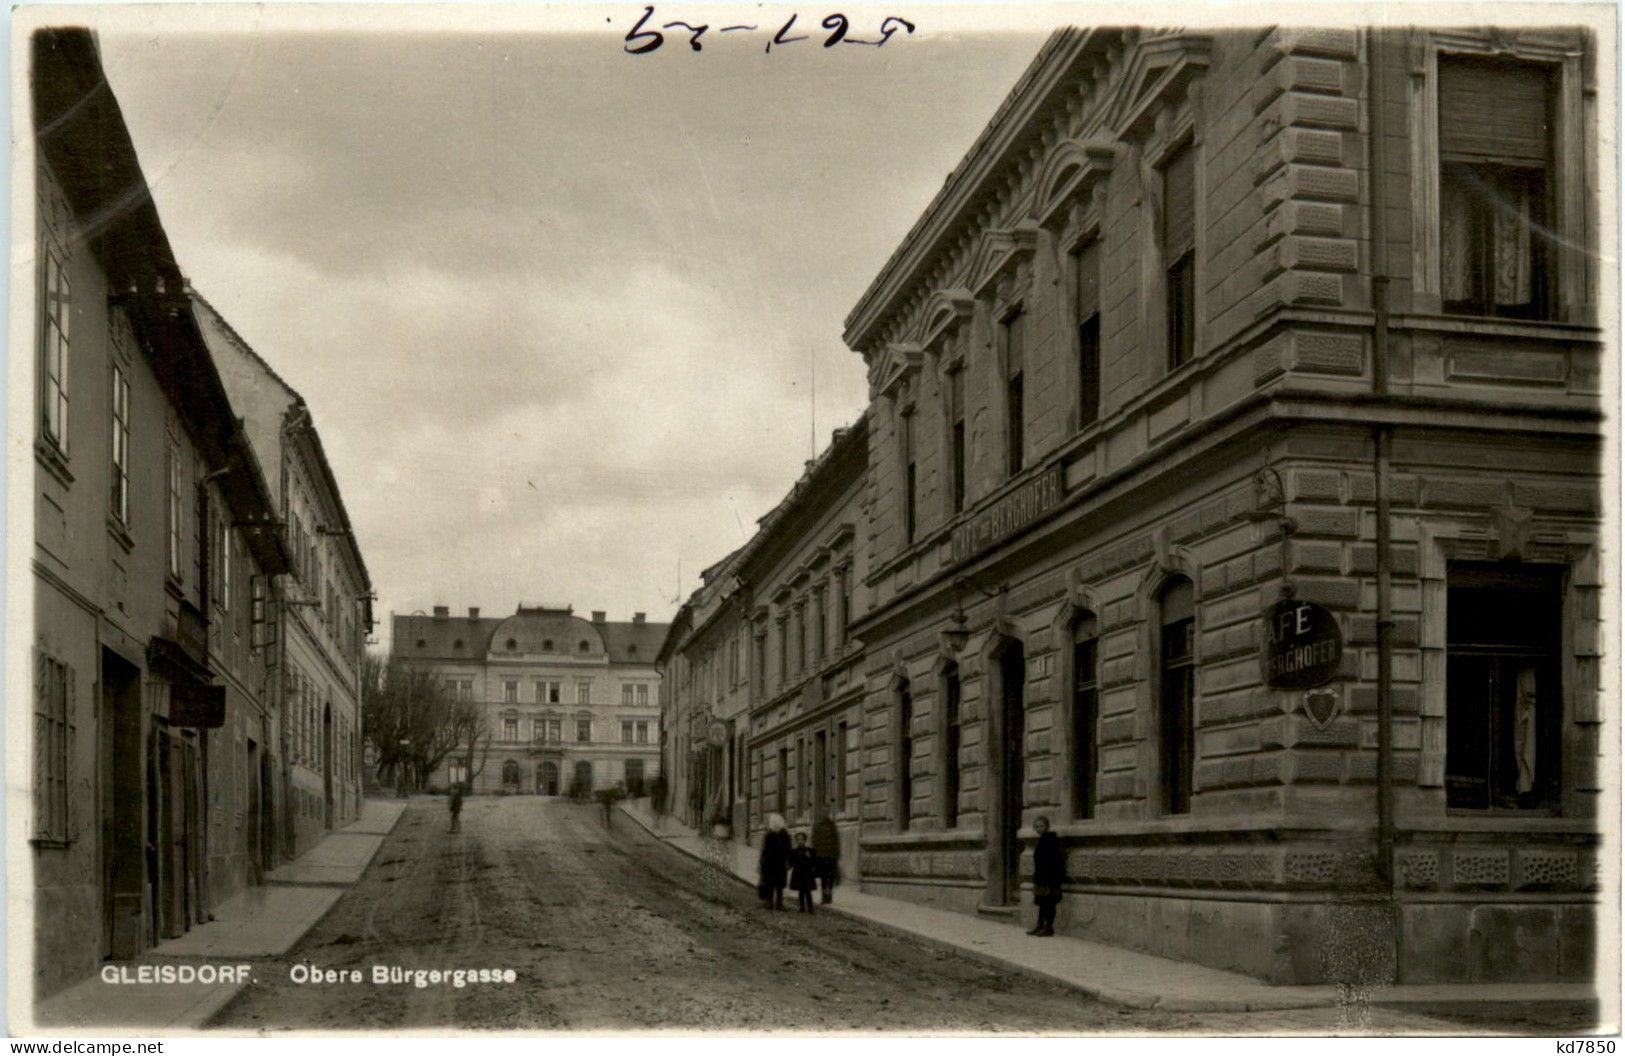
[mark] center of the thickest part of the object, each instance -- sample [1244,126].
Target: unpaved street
[612,931]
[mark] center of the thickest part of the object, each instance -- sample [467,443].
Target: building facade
[1215,343]
[568,704]
[156,728]
[325,614]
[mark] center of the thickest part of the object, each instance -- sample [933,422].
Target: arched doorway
[547,778]
[510,774]
[1009,778]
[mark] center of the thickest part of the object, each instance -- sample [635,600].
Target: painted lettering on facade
[1010,514]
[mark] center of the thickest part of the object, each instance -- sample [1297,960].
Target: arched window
[951,731]
[510,772]
[1176,607]
[512,645]
[584,646]
[905,754]
[1085,713]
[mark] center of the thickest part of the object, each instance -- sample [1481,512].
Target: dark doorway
[584,777]
[547,778]
[253,837]
[1011,778]
[123,844]
[820,774]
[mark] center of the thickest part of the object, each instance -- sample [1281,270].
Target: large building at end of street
[567,703]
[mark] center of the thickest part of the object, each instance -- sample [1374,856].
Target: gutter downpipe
[1383,440]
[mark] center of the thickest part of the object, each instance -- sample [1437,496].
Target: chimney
[441,612]
[597,616]
[473,613]
[637,617]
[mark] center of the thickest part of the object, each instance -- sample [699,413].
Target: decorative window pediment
[1159,75]
[895,366]
[944,313]
[1000,253]
[1071,173]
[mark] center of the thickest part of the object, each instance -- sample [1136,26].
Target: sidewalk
[1110,973]
[265,921]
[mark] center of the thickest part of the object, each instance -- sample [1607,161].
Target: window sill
[53,843]
[119,533]
[1491,326]
[53,461]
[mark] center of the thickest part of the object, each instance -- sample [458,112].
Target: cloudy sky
[557,309]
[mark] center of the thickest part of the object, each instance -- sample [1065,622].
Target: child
[1049,873]
[803,873]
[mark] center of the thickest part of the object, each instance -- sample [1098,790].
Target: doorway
[120,779]
[820,774]
[584,778]
[547,778]
[1004,879]
[327,765]
[253,837]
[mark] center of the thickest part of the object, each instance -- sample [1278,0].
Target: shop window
[1086,267]
[1179,253]
[1178,693]
[1015,406]
[1503,697]
[1085,714]
[1495,186]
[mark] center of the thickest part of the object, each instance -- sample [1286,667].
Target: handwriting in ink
[641,40]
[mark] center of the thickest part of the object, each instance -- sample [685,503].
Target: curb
[1112,995]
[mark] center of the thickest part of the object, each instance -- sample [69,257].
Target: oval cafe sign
[1303,645]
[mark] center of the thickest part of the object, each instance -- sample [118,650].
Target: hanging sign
[1303,646]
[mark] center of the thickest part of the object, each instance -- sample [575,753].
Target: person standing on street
[1049,871]
[826,845]
[803,873]
[774,863]
[456,806]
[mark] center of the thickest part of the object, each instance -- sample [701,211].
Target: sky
[559,311]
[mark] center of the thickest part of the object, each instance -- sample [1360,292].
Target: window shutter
[42,744]
[1179,205]
[1088,280]
[1494,111]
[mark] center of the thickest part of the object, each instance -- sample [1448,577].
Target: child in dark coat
[1049,873]
[803,873]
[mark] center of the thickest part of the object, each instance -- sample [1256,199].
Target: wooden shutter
[69,734]
[1179,205]
[1088,280]
[1494,111]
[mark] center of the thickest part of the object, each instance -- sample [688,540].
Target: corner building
[1203,321]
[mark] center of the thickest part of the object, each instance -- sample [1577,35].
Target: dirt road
[612,931]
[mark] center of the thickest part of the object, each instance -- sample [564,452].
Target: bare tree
[413,720]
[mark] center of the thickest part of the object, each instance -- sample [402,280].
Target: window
[784,780]
[1178,621]
[1503,696]
[818,625]
[510,729]
[53,748]
[642,698]
[582,646]
[547,645]
[801,637]
[538,729]
[1495,187]
[840,767]
[583,692]
[1085,714]
[951,733]
[956,437]
[626,694]
[905,755]
[120,498]
[761,664]
[1179,253]
[54,313]
[510,772]
[1015,407]
[466,689]
[846,603]
[510,692]
[583,730]
[541,692]
[643,733]
[626,733]
[905,443]
[1086,265]
[555,732]
[784,650]
[173,512]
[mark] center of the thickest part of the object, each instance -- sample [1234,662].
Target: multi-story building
[705,662]
[568,704]
[1234,454]
[326,613]
[156,731]
[765,709]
